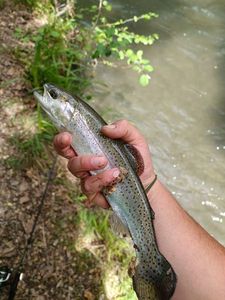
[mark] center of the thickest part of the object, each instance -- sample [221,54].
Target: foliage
[115,39]
[66,48]
[57,56]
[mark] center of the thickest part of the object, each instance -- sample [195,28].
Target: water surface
[182,111]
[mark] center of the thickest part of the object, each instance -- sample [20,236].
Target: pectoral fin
[117,226]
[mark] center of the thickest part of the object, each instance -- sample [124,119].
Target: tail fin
[162,289]
[167,284]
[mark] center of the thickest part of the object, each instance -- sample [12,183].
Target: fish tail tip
[162,289]
[168,284]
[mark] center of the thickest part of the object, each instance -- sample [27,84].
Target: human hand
[80,166]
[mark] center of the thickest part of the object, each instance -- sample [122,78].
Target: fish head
[59,105]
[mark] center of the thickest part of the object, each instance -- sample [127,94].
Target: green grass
[30,3]
[32,149]
[2,4]
[114,252]
[59,56]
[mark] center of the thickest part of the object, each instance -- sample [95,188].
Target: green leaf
[103,20]
[137,68]
[139,54]
[129,52]
[55,34]
[108,7]
[121,55]
[144,79]
[148,68]
[146,16]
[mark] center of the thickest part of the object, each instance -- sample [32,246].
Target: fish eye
[53,93]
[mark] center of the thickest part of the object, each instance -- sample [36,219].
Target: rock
[40,298]
[27,225]
[24,199]
[23,186]
[88,295]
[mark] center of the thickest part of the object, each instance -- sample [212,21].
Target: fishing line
[13,277]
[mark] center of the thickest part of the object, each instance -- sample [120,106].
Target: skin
[197,258]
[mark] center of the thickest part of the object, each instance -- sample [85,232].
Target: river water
[182,111]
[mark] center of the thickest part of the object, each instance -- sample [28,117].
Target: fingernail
[98,161]
[116,173]
[110,126]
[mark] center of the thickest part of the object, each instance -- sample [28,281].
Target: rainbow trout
[153,277]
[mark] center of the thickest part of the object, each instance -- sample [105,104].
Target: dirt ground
[53,268]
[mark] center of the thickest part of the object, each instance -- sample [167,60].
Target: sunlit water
[182,111]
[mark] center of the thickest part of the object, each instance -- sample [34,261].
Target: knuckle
[83,186]
[124,123]
[77,164]
[104,179]
[83,162]
[88,188]
[56,143]
[71,165]
[93,184]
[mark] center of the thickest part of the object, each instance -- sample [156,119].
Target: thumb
[123,130]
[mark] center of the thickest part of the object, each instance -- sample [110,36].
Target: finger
[62,144]
[124,130]
[94,184]
[87,163]
[97,199]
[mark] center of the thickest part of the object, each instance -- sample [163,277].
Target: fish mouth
[43,101]
[43,98]
[38,96]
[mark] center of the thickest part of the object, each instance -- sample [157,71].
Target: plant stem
[99,13]
[122,22]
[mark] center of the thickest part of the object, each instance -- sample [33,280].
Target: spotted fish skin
[153,276]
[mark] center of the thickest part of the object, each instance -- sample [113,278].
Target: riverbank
[53,268]
[74,254]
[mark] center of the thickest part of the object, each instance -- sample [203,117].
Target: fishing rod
[10,277]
